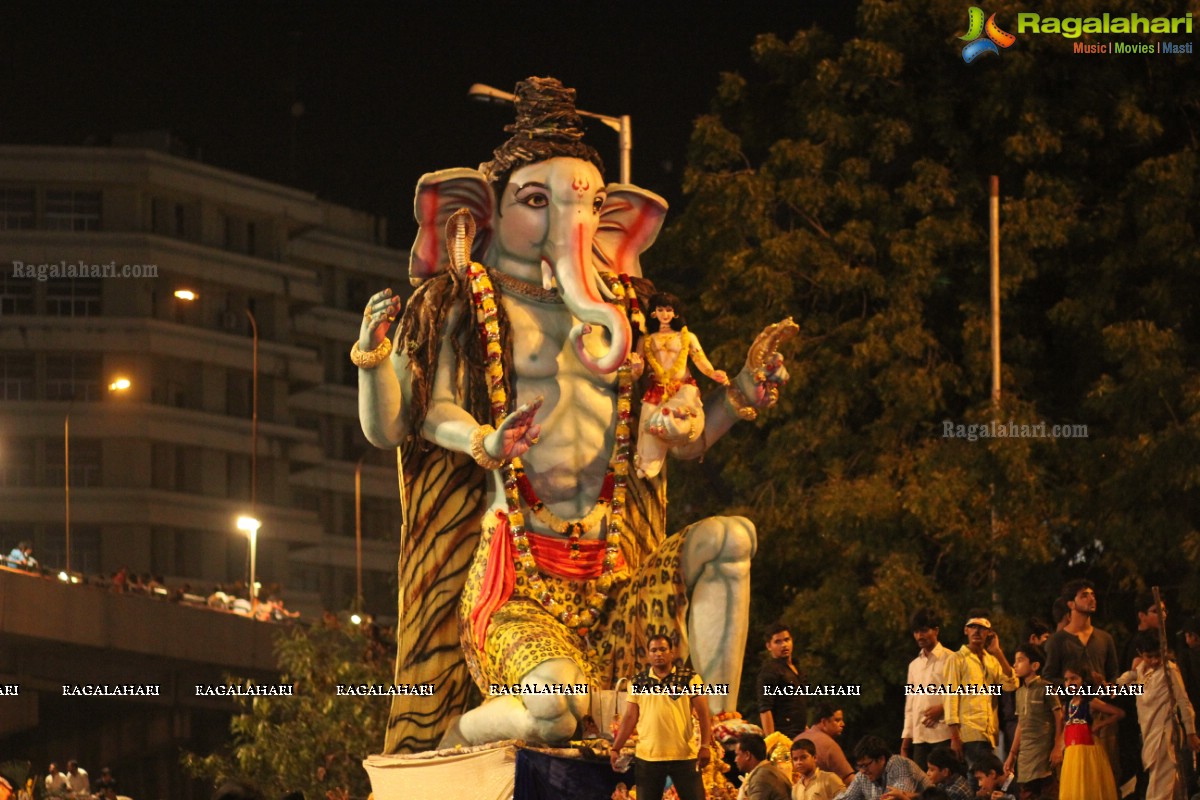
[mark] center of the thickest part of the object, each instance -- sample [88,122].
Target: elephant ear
[440,194]
[629,224]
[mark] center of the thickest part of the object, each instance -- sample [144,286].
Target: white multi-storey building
[159,472]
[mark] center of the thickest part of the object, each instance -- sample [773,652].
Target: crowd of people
[231,598]
[1069,717]
[76,785]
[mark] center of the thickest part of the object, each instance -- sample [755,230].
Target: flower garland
[669,378]
[483,295]
[572,530]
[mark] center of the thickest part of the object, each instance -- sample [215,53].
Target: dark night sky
[383,86]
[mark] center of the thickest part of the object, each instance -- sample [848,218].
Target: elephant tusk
[548,281]
[601,286]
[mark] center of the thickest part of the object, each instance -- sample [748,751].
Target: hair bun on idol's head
[547,126]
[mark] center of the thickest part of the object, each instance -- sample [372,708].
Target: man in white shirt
[78,784]
[56,782]
[923,726]
[1155,711]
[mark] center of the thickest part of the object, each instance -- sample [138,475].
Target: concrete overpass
[55,635]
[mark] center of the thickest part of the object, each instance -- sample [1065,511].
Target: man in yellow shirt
[972,675]
[662,699]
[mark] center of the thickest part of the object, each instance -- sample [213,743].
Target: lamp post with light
[190,296]
[251,525]
[358,595]
[119,384]
[621,124]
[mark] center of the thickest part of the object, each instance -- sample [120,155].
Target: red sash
[553,557]
[498,580]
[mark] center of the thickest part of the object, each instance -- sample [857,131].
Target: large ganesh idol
[532,553]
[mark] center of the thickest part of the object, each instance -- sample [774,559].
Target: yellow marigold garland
[484,297]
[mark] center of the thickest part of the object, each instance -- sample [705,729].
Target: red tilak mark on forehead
[580,184]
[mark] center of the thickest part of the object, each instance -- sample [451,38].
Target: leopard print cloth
[523,634]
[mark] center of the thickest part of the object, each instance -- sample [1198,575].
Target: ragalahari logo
[976,28]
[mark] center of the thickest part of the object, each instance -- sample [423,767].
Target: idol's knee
[722,539]
[741,540]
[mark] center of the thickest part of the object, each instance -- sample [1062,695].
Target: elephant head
[551,219]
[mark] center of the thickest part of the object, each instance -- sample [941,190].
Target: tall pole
[358,596]
[253,415]
[625,143]
[994,282]
[253,559]
[67,481]
[994,260]
[253,455]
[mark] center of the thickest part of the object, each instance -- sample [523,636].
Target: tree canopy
[315,740]
[845,183]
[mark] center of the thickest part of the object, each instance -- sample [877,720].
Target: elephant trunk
[571,262]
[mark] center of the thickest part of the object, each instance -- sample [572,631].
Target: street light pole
[251,525]
[118,385]
[189,296]
[67,479]
[622,124]
[253,417]
[358,596]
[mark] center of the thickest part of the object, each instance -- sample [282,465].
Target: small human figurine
[670,389]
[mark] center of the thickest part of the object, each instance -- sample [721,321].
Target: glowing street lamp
[251,525]
[190,295]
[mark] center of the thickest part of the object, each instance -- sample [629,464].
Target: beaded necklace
[484,300]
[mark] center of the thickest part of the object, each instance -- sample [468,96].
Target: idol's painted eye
[597,204]
[534,194]
[533,199]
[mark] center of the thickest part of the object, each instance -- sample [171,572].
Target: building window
[162,470]
[73,377]
[306,578]
[49,548]
[16,209]
[77,297]
[16,466]
[239,393]
[308,500]
[358,292]
[378,519]
[238,477]
[16,376]
[69,210]
[85,463]
[16,294]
